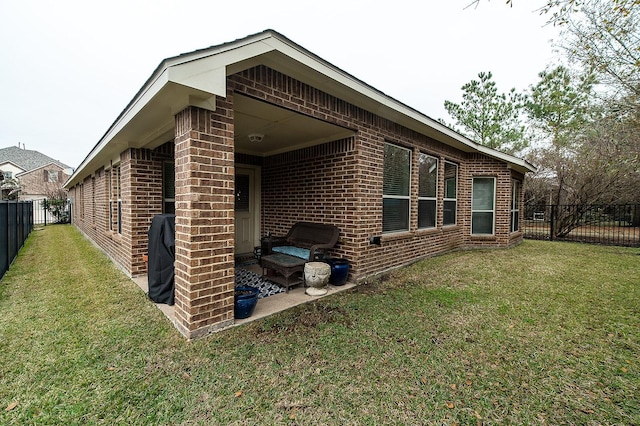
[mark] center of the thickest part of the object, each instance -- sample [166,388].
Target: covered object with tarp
[161,257]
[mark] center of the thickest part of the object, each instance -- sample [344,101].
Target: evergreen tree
[488,117]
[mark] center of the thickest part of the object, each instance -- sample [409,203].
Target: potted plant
[244,301]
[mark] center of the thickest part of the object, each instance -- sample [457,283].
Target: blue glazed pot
[339,271]
[244,301]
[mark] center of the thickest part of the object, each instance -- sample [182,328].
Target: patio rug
[267,288]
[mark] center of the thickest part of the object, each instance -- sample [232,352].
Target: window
[450,203]
[168,187]
[119,196]
[243,186]
[396,187]
[81,201]
[110,192]
[8,175]
[93,200]
[427,191]
[115,200]
[515,205]
[51,176]
[483,205]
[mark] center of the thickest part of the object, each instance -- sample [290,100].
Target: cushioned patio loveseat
[307,240]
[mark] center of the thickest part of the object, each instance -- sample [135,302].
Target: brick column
[204,267]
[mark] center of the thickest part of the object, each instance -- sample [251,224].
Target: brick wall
[95,207]
[341,182]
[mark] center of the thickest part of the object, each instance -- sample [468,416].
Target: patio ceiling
[283,130]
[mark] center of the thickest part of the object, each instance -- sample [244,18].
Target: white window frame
[434,198]
[516,189]
[447,199]
[492,210]
[399,197]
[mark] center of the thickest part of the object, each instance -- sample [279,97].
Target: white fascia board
[208,73]
[205,71]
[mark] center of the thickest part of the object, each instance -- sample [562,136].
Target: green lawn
[546,333]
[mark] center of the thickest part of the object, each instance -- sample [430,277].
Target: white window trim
[401,197]
[492,211]
[435,199]
[444,199]
[515,184]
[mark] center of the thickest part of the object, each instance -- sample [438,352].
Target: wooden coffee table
[287,266]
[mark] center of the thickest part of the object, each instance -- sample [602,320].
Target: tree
[603,37]
[56,204]
[590,152]
[9,189]
[559,106]
[488,117]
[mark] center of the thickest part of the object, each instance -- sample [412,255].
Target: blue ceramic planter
[244,301]
[339,271]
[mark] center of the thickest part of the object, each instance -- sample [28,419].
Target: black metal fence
[16,223]
[589,223]
[47,212]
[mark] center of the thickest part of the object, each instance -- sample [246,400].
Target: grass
[546,333]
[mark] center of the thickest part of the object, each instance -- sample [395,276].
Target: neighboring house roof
[198,77]
[5,162]
[27,159]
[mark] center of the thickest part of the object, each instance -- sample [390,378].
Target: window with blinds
[450,203]
[396,188]
[483,206]
[427,191]
[168,187]
[515,205]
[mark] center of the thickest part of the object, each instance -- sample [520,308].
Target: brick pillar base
[204,267]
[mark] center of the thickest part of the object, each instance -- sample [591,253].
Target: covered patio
[245,139]
[265,307]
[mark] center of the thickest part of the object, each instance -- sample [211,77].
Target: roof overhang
[199,77]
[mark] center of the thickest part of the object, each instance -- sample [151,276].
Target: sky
[69,67]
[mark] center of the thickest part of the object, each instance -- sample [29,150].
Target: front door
[246,207]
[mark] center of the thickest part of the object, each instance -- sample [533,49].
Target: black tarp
[161,256]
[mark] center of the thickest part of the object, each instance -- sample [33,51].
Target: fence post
[46,209]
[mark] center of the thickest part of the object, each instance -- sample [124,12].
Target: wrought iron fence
[617,224]
[16,223]
[46,212]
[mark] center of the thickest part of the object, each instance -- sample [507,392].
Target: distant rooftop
[27,159]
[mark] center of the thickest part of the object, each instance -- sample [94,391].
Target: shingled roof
[27,159]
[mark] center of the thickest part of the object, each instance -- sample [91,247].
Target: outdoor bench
[305,242]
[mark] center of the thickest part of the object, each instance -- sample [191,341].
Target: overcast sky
[69,67]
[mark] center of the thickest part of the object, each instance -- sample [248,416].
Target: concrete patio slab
[265,307]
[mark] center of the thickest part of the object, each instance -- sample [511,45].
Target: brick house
[249,137]
[39,176]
